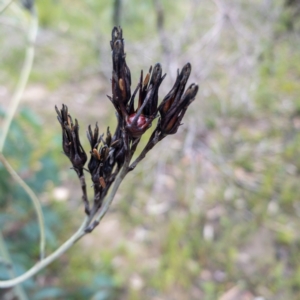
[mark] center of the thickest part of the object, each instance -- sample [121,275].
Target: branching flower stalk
[112,155]
[110,158]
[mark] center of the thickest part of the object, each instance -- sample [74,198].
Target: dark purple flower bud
[137,122]
[149,92]
[137,125]
[121,77]
[70,139]
[175,104]
[102,161]
[94,140]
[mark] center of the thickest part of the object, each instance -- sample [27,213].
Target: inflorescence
[111,156]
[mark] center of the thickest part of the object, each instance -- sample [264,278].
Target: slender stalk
[45,262]
[32,34]
[75,237]
[19,292]
[113,192]
[84,193]
[154,139]
[27,66]
[34,199]
[5,6]
[124,171]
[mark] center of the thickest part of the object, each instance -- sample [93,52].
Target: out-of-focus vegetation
[213,212]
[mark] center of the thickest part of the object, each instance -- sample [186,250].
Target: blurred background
[213,211]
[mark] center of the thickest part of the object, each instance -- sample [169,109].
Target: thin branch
[5,6]
[154,139]
[45,262]
[18,290]
[27,66]
[84,193]
[34,199]
[112,194]
[32,34]
[83,230]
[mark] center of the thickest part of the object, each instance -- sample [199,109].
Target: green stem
[5,6]
[32,34]
[34,199]
[25,72]
[5,255]
[74,238]
[45,262]
[113,192]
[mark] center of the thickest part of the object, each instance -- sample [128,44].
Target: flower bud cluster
[110,155]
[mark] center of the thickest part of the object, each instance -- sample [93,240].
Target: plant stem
[45,262]
[75,237]
[32,34]
[19,292]
[5,6]
[113,192]
[34,199]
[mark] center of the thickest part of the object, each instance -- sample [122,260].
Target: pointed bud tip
[194,88]
[187,68]
[157,66]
